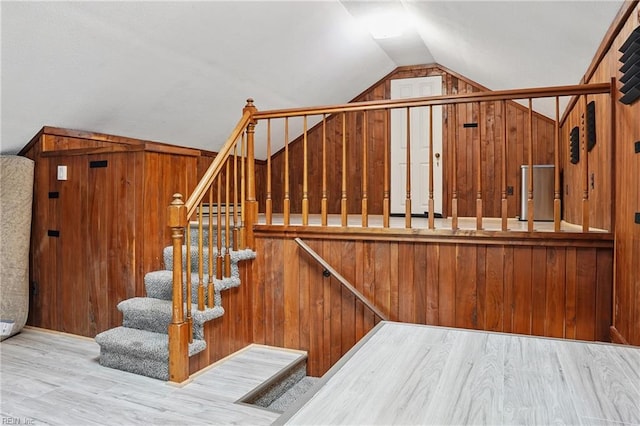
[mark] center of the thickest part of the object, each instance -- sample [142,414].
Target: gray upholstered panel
[16,194]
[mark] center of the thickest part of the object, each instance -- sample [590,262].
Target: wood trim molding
[557,239]
[616,337]
[34,140]
[616,26]
[121,143]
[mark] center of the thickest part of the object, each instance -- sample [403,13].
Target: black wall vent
[630,69]
[96,164]
[591,125]
[574,145]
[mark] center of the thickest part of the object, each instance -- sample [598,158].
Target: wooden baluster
[385,193]
[530,171]
[251,215]
[479,171]
[243,241]
[200,258]
[324,206]
[210,285]
[236,206]
[188,298]
[503,167]
[227,231]
[305,172]
[407,213]
[343,198]
[287,201]
[556,165]
[431,207]
[585,169]
[219,227]
[178,329]
[454,171]
[365,213]
[269,202]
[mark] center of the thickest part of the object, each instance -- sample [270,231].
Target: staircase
[141,344]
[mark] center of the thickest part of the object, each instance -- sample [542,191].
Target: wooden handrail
[180,329]
[498,95]
[216,165]
[247,205]
[345,283]
[356,139]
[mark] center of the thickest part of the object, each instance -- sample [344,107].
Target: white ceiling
[180,72]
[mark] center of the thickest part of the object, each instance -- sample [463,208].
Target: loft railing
[230,181]
[289,189]
[222,204]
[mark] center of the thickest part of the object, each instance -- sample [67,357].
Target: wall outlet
[62,172]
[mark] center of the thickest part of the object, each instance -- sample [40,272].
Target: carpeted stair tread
[139,351]
[205,233]
[293,394]
[146,313]
[159,285]
[236,256]
[142,343]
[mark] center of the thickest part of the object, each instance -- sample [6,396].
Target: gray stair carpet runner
[292,394]
[141,344]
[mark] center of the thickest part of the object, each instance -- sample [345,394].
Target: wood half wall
[489,116]
[557,286]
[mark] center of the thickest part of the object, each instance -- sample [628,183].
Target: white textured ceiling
[180,72]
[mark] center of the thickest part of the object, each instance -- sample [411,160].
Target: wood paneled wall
[111,224]
[615,161]
[600,161]
[234,330]
[557,288]
[489,116]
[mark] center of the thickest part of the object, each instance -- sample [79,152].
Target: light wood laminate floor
[54,378]
[410,374]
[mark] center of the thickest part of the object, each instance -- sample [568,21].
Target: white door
[419,142]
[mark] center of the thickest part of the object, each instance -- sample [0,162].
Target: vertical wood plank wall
[454,118]
[625,169]
[232,331]
[557,289]
[599,164]
[111,223]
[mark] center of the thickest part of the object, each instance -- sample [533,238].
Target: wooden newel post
[251,205]
[178,328]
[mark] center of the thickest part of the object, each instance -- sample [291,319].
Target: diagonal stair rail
[329,271]
[219,179]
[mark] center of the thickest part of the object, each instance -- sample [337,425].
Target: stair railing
[350,180]
[329,271]
[235,215]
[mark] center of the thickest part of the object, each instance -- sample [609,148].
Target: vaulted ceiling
[180,72]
